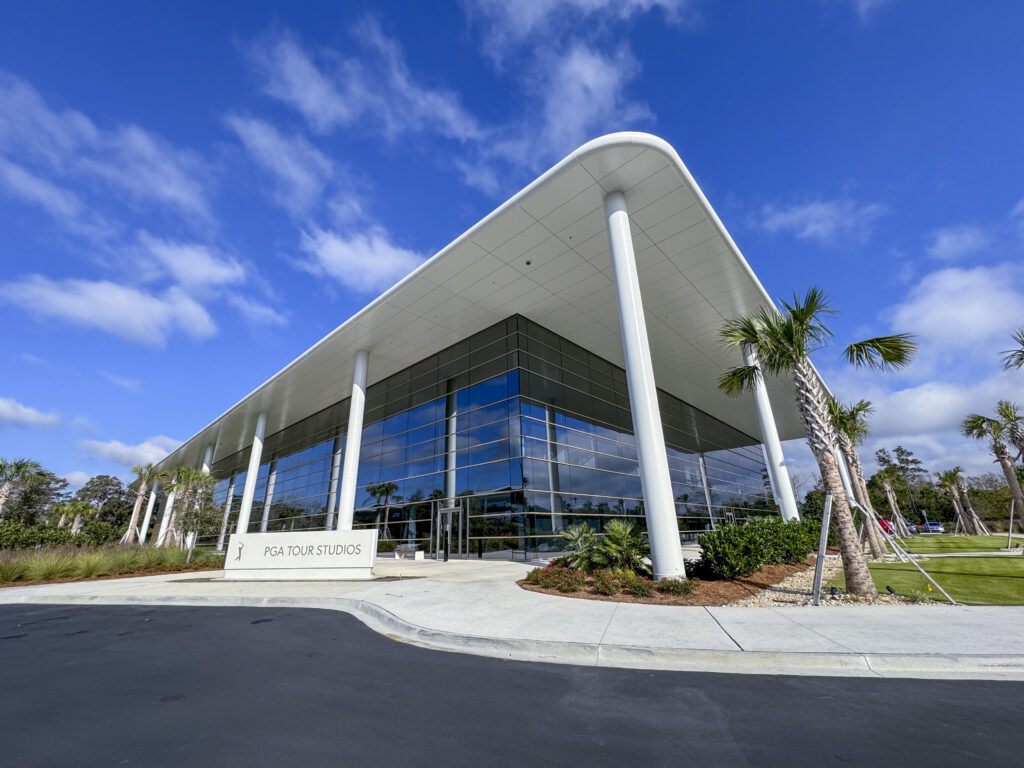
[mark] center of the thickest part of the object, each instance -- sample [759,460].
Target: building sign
[301,555]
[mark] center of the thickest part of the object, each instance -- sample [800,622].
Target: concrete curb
[382,621]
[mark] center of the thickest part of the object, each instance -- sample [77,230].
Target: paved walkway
[476,607]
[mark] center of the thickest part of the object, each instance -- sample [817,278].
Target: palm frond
[1008,412]
[882,352]
[1014,358]
[980,427]
[738,380]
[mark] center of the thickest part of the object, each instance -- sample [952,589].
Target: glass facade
[521,430]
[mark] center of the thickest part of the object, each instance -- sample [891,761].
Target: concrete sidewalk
[476,607]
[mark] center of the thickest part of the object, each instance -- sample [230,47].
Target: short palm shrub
[580,547]
[623,547]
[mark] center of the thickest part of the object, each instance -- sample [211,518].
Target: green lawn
[942,543]
[970,580]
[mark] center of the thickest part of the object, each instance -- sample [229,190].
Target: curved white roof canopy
[544,254]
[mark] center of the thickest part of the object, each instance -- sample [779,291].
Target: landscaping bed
[706,591]
[64,564]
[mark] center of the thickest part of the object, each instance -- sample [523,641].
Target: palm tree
[950,481]
[782,343]
[1014,358]
[13,473]
[1011,417]
[189,485]
[995,431]
[851,425]
[382,493]
[146,476]
[897,517]
[961,484]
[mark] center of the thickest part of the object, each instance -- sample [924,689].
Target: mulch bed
[709,592]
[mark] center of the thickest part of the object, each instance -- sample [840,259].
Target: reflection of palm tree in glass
[382,493]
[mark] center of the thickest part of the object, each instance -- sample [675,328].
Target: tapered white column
[451,444]
[354,436]
[255,456]
[778,473]
[332,492]
[707,488]
[268,497]
[149,513]
[166,519]
[208,459]
[659,502]
[227,513]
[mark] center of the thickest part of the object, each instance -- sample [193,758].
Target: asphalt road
[98,686]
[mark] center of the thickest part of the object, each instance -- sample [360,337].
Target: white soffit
[692,278]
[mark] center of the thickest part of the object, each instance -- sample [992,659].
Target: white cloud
[255,312]
[952,243]
[366,262]
[829,222]
[301,170]
[124,311]
[67,144]
[150,450]
[511,22]
[372,87]
[127,383]
[77,479]
[13,412]
[961,314]
[191,265]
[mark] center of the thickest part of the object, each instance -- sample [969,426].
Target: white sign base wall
[301,556]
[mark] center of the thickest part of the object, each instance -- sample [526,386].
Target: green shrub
[89,565]
[387,546]
[733,551]
[47,565]
[97,533]
[634,584]
[12,568]
[562,579]
[605,582]
[676,586]
[623,547]
[581,546]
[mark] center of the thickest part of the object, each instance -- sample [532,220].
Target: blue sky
[192,194]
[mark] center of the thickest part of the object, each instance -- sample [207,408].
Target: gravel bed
[796,590]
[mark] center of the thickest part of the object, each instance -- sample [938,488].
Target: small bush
[49,565]
[634,584]
[562,579]
[12,568]
[89,565]
[387,546]
[734,551]
[676,587]
[97,533]
[605,582]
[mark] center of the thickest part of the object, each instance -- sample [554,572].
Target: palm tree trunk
[5,492]
[131,535]
[76,524]
[821,438]
[860,494]
[171,539]
[959,511]
[1006,463]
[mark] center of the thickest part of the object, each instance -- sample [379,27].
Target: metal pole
[822,545]
[1009,528]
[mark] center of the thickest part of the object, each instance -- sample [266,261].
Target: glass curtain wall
[524,431]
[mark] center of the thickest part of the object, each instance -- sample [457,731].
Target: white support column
[451,414]
[659,501]
[332,494]
[268,497]
[227,513]
[208,459]
[165,520]
[557,521]
[255,456]
[778,473]
[149,513]
[707,489]
[354,436]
